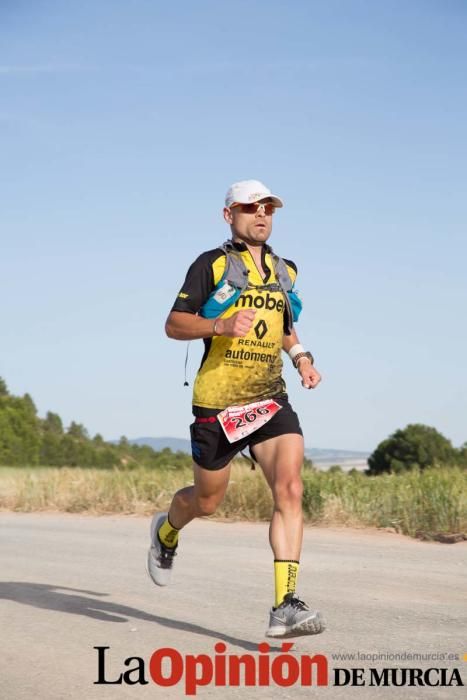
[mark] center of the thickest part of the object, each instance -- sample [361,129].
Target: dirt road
[70,583]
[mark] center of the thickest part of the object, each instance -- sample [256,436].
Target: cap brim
[277,201]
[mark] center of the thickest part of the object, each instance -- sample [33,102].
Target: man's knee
[288,492]
[207,505]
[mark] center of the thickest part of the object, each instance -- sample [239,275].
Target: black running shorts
[211,449]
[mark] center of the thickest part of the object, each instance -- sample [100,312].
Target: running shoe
[293,617]
[160,558]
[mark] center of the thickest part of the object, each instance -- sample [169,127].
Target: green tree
[3,388]
[53,423]
[29,405]
[78,431]
[26,440]
[19,431]
[51,450]
[416,446]
[107,457]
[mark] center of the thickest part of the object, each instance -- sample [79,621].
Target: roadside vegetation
[430,504]
[415,484]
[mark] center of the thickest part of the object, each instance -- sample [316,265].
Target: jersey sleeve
[198,284]
[292,269]
[290,263]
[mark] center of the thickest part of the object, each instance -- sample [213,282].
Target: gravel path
[69,583]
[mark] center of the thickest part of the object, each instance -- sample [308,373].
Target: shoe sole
[311,625]
[152,531]
[158,583]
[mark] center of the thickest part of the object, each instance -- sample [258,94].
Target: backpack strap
[282,273]
[235,272]
[233,282]
[285,283]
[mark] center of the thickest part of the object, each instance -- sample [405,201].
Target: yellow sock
[168,534]
[285,576]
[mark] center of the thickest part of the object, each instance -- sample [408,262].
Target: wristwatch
[299,355]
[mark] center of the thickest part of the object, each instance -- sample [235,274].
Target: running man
[240,300]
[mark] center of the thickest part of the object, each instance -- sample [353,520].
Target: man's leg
[190,502]
[281,460]
[202,498]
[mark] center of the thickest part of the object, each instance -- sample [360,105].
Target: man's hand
[310,376]
[237,325]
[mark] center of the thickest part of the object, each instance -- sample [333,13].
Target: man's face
[251,223]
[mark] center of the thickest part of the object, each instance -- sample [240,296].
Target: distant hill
[347,459]
[321,457]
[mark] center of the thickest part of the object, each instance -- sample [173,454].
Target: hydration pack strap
[281,272]
[235,272]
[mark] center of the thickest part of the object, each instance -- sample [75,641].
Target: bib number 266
[240,421]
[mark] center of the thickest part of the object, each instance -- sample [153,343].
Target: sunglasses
[253,208]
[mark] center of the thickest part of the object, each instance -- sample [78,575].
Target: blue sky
[122,123]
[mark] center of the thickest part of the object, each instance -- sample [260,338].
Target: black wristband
[300,355]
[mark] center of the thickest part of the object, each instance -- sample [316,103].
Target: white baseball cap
[248,191]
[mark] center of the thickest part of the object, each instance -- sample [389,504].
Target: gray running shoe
[160,558]
[293,617]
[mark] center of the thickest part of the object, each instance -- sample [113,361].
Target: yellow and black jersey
[237,371]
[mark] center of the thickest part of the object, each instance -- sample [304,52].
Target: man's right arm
[184,321]
[186,326]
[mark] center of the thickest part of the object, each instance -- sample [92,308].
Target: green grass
[419,504]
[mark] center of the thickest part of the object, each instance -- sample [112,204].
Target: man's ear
[228,215]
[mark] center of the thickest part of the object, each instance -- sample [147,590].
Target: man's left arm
[309,375]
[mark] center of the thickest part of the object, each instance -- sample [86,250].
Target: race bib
[239,421]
